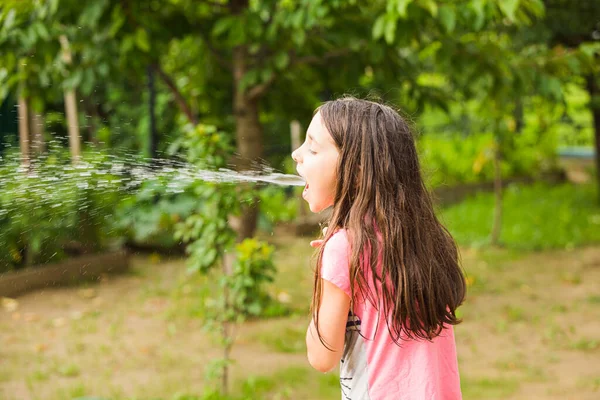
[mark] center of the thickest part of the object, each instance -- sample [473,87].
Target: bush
[252,270]
[150,215]
[455,159]
[277,204]
[55,208]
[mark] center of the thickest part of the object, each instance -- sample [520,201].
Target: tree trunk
[38,145]
[248,135]
[497,227]
[594,91]
[24,130]
[71,108]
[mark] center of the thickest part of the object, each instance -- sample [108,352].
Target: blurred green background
[504,96]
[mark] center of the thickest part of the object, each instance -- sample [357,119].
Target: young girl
[388,280]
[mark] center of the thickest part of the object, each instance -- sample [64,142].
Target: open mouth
[305,189]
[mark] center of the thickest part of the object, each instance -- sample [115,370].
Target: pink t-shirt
[373,367]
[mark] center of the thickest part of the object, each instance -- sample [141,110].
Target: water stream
[51,183]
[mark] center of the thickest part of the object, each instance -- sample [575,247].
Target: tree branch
[261,89]
[319,59]
[185,107]
[221,60]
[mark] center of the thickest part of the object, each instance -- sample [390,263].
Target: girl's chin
[317,208]
[314,209]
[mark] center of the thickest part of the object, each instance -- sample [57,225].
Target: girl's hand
[319,242]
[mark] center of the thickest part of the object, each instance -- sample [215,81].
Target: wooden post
[24,130]
[71,107]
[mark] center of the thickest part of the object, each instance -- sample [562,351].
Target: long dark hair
[382,202]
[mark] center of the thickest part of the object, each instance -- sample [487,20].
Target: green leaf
[378,27]
[118,19]
[390,30]
[42,31]
[535,7]
[509,7]
[10,20]
[222,25]
[447,18]
[402,6]
[141,40]
[103,69]
[74,80]
[297,19]
[237,34]
[92,12]
[431,6]
[299,38]
[281,60]
[53,6]
[127,44]
[254,309]
[266,74]
[589,49]
[478,8]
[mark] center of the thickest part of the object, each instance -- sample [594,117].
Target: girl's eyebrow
[312,138]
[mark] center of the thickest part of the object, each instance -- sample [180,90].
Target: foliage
[207,230]
[277,205]
[458,147]
[210,239]
[455,159]
[53,206]
[151,213]
[287,47]
[537,217]
[252,269]
[574,125]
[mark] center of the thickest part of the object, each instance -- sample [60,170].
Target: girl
[388,280]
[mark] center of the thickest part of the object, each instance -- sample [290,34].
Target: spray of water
[50,187]
[127,171]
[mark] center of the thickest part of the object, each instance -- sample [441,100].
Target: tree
[576,26]
[245,65]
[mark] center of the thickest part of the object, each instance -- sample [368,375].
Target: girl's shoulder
[339,240]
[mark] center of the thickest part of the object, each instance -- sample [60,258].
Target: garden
[153,244]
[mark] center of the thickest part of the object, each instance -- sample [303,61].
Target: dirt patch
[531,331]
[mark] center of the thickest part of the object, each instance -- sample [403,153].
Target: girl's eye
[312,152]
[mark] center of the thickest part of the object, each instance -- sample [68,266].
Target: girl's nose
[295,154]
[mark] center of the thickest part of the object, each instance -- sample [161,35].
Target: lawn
[531,330]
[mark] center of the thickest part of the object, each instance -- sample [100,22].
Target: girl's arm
[333,315]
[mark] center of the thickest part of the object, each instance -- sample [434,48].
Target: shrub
[55,207]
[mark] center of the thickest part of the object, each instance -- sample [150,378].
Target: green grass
[288,383]
[585,344]
[536,217]
[289,339]
[488,388]
[519,303]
